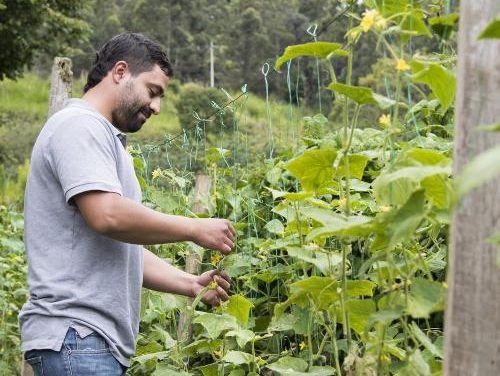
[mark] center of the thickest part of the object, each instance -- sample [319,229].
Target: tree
[32,27]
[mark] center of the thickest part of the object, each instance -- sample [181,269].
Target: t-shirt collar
[81,103]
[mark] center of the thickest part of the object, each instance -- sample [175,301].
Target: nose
[155,105]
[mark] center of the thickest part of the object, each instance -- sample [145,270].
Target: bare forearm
[161,276]
[132,222]
[128,221]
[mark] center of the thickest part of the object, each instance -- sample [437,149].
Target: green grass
[29,95]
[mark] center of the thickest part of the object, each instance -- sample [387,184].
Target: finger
[225,249]
[229,234]
[225,276]
[229,242]
[222,294]
[222,283]
[231,228]
[210,274]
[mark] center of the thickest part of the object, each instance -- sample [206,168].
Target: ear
[119,71]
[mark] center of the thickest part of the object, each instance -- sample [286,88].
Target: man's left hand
[222,283]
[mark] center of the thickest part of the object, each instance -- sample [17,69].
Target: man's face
[139,98]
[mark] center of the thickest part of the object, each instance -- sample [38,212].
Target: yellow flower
[368,19]
[130,149]
[385,209]
[214,260]
[384,121]
[402,65]
[302,345]
[156,173]
[213,285]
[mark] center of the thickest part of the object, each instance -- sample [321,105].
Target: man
[85,225]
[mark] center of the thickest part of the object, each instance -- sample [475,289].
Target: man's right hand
[214,233]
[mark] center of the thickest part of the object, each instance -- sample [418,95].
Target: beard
[127,114]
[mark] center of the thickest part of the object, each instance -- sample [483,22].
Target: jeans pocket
[36,364]
[93,362]
[92,342]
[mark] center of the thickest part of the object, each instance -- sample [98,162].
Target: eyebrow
[159,89]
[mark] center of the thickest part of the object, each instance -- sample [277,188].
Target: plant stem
[343,295]
[334,339]
[380,351]
[309,338]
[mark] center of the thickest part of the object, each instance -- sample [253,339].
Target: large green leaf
[239,372]
[317,49]
[289,366]
[425,297]
[394,188]
[167,370]
[412,23]
[425,341]
[324,291]
[160,355]
[273,273]
[362,95]
[313,168]
[437,191]
[336,224]
[359,313]
[492,30]
[326,286]
[210,369]
[444,25]
[202,346]
[287,363]
[237,357]
[383,317]
[275,226]
[439,79]
[427,157]
[400,224]
[216,324]
[326,262]
[239,307]
[389,7]
[417,365]
[243,336]
[357,165]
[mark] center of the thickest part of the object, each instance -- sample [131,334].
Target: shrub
[208,103]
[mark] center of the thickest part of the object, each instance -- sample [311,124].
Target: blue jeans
[78,357]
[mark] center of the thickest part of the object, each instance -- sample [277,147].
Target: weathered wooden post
[472,326]
[60,84]
[202,187]
[60,90]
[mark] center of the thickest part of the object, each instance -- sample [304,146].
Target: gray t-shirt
[76,276]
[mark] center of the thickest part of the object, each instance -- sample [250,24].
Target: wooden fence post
[472,325]
[202,187]
[60,90]
[60,84]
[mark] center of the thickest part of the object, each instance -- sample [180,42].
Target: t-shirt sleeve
[82,155]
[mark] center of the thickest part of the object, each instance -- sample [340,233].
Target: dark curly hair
[139,52]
